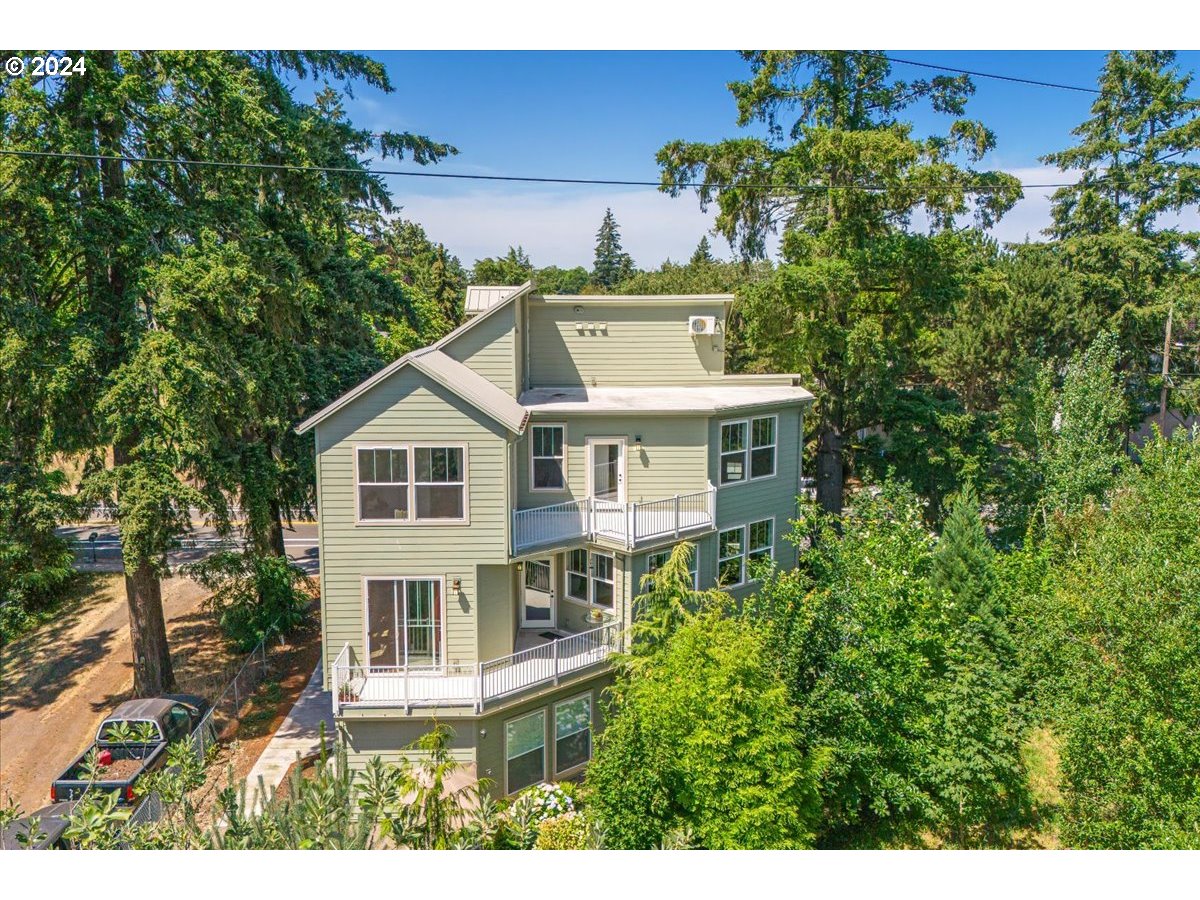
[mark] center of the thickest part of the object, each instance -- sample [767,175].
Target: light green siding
[752,501]
[497,611]
[489,751]
[386,738]
[490,349]
[626,343]
[673,458]
[409,407]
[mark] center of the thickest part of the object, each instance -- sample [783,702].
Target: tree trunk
[152,672]
[275,531]
[830,469]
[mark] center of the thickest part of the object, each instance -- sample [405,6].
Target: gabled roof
[473,387]
[452,375]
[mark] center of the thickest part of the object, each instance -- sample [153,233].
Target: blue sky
[605,114]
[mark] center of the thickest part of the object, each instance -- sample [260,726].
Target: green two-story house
[489,504]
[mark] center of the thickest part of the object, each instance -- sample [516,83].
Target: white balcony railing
[473,685]
[628,524]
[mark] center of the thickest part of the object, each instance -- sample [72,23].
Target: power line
[1012,78]
[347,170]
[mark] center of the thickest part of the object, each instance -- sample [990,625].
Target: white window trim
[746,550]
[590,602]
[366,628]
[566,482]
[749,423]
[545,749]
[559,773]
[412,520]
[721,560]
[695,562]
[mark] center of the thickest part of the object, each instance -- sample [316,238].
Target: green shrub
[253,596]
[568,831]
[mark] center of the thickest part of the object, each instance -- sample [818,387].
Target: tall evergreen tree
[612,263]
[702,255]
[843,176]
[975,767]
[208,306]
[1135,158]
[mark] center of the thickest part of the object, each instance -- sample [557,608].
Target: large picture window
[572,733]
[404,622]
[412,483]
[547,445]
[658,559]
[591,578]
[525,751]
[748,449]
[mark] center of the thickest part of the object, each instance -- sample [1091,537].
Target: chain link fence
[221,720]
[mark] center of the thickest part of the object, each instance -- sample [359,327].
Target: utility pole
[1166,373]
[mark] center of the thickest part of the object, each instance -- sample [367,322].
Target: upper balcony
[628,525]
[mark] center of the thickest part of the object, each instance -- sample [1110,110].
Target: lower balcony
[475,686]
[629,525]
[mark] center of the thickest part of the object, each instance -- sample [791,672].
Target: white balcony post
[337,693]
[406,697]
[479,690]
[554,655]
[676,517]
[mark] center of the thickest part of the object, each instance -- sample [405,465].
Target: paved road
[300,542]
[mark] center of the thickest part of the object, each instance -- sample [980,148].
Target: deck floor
[461,688]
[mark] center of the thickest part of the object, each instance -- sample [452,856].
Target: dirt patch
[119,770]
[291,666]
[57,682]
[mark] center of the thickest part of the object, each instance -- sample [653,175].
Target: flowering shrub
[543,801]
[532,807]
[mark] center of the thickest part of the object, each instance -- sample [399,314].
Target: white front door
[606,468]
[538,595]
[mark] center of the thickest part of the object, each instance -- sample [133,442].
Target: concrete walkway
[300,734]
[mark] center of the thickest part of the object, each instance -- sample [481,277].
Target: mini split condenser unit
[702,324]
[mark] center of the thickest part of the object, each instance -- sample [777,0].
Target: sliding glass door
[404,622]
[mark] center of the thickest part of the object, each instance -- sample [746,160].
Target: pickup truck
[131,741]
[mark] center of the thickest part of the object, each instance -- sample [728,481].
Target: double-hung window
[742,550]
[748,449]
[412,483]
[731,556]
[547,446]
[404,622]
[439,482]
[525,751]
[658,559]
[572,733]
[382,483]
[591,578]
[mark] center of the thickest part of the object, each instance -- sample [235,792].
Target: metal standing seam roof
[482,297]
[701,398]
